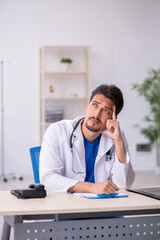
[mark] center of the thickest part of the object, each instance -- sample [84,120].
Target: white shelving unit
[63,94]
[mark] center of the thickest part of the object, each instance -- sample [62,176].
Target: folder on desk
[153,192]
[101,196]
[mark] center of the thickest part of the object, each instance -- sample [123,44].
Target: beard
[93,128]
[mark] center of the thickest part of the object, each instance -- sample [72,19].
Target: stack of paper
[101,196]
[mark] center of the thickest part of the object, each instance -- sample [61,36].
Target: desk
[87,218]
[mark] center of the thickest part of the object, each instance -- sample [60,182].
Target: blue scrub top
[91,150]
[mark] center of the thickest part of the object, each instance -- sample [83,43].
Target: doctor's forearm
[120,151]
[82,187]
[98,188]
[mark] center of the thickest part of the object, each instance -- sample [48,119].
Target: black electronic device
[153,192]
[33,191]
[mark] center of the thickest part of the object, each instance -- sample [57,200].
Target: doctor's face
[97,112]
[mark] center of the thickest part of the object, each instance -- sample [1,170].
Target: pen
[113,195]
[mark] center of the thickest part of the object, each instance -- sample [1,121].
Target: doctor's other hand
[106,187]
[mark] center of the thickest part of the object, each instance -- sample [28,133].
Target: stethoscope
[108,153]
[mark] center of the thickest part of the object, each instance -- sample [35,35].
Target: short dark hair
[112,92]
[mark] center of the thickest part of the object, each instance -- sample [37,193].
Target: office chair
[34,153]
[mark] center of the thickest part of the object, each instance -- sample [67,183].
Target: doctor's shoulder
[60,128]
[69,124]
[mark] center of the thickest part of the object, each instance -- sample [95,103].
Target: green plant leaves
[66,60]
[150,90]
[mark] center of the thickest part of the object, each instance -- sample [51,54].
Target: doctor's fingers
[110,187]
[114,117]
[112,125]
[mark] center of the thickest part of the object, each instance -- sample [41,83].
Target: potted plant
[65,62]
[150,90]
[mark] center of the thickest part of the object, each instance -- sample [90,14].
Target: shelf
[71,87]
[64,73]
[49,123]
[64,98]
[65,47]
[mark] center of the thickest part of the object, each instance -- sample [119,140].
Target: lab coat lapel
[105,144]
[78,142]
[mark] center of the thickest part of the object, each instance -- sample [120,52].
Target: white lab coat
[61,169]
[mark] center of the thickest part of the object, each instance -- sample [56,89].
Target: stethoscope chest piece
[109,154]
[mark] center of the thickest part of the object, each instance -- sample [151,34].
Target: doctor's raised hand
[113,131]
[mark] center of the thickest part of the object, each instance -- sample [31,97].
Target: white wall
[124,36]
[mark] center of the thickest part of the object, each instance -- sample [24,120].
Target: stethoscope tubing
[108,153]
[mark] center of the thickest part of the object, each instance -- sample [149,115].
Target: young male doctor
[88,154]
